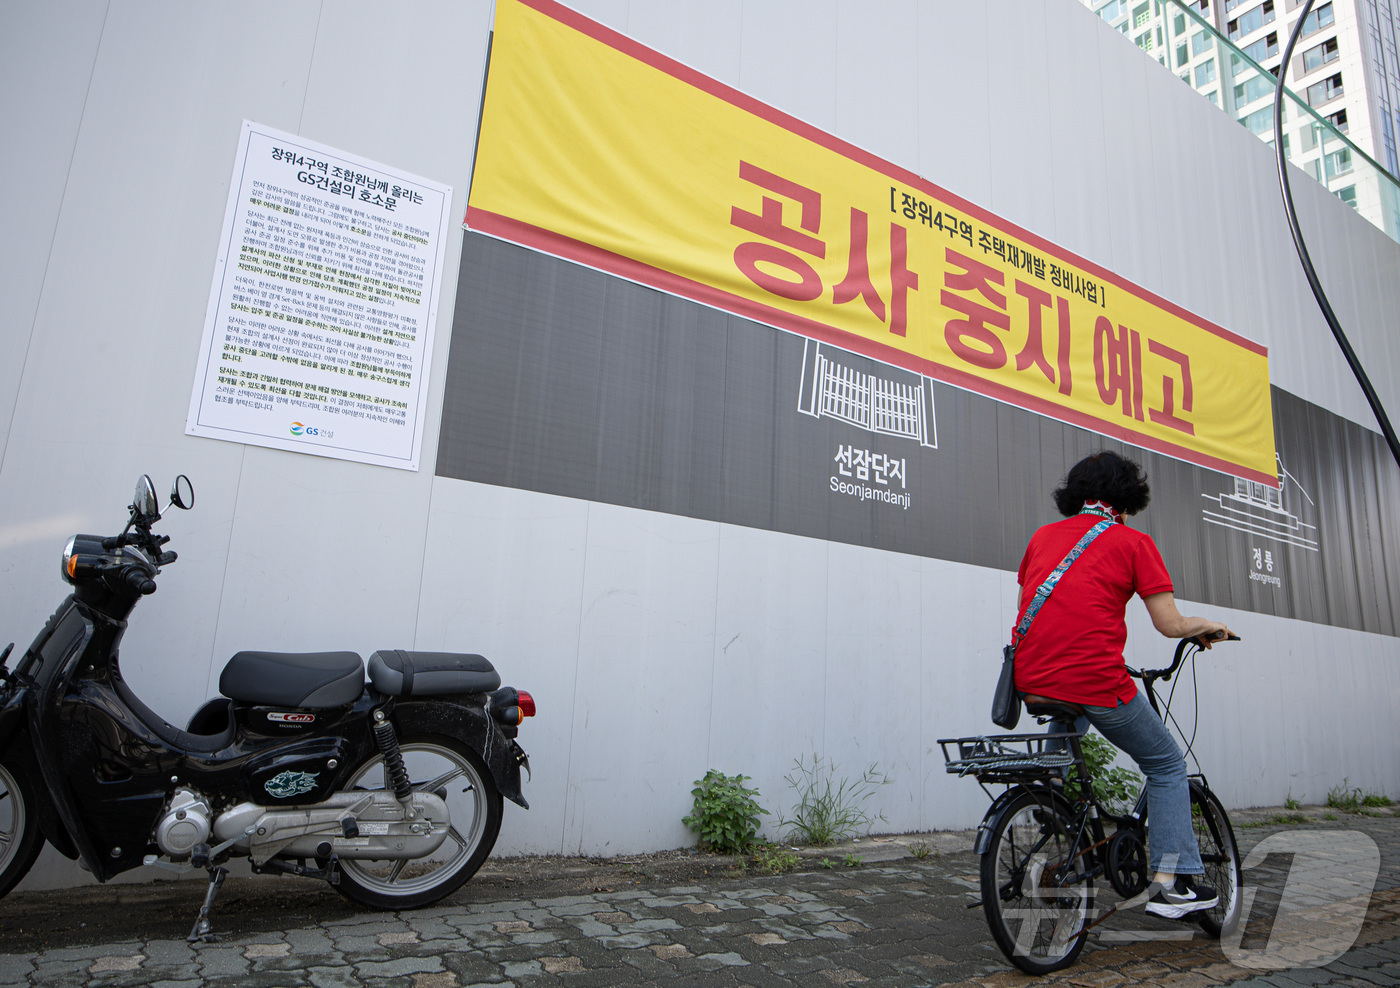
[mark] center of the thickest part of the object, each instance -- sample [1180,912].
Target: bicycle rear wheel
[1221,858]
[1035,893]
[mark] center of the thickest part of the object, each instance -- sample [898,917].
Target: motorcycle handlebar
[138,581]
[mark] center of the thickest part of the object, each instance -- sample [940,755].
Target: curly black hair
[1104,476]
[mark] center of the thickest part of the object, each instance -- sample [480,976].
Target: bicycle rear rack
[1008,758]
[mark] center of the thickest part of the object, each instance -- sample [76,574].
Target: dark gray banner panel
[567,381]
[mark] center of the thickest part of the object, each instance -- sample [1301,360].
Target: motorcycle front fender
[12,715]
[15,748]
[460,718]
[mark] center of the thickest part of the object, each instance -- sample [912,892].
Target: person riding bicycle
[1073,654]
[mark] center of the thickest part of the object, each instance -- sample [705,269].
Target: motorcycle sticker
[288,784]
[290,718]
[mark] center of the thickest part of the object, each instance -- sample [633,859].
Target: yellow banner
[598,149]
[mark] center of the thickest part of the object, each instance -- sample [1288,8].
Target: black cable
[1371,397]
[1196,704]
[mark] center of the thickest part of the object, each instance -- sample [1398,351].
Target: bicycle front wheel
[1221,858]
[1036,892]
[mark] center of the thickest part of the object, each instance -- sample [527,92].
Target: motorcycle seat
[400,673]
[308,680]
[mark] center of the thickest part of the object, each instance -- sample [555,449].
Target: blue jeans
[1135,729]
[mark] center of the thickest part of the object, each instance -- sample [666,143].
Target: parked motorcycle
[389,789]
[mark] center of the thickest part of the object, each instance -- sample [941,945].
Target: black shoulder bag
[1006,702]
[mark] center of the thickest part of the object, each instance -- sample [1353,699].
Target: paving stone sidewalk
[897,920]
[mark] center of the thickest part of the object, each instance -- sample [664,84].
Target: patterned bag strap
[1042,592]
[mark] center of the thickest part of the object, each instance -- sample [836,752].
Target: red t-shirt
[1074,648]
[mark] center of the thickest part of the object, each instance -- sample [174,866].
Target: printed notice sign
[319,329]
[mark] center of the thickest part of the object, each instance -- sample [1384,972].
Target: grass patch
[773,859]
[830,809]
[1278,819]
[1351,799]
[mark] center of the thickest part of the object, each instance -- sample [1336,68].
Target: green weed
[725,813]
[829,809]
[1116,789]
[1350,799]
[1278,819]
[773,859]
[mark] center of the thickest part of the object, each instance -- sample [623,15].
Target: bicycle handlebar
[1151,675]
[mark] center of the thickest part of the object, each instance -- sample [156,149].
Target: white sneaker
[1184,896]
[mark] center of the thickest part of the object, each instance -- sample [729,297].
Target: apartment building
[1344,68]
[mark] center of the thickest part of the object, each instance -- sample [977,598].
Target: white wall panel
[700,36]
[877,78]
[1175,190]
[150,170]
[1133,224]
[47,49]
[503,577]
[613,13]
[771,683]
[1079,190]
[955,123]
[964,609]
[787,50]
[1019,107]
[645,679]
[874,696]
[401,85]
[353,580]
[122,309]
[1228,198]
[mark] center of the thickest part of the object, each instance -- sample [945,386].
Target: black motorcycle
[388,789]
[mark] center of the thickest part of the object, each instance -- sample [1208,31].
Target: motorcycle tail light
[527,705]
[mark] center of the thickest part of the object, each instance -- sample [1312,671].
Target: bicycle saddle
[1043,706]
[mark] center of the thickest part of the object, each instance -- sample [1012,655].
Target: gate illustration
[888,406]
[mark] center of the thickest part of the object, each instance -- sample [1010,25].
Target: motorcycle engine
[185,823]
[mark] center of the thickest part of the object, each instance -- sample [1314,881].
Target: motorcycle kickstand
[203,931]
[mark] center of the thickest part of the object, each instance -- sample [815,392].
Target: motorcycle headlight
[80,556]
[68,560]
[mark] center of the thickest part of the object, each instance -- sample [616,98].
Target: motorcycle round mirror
[144,503]
[182,494]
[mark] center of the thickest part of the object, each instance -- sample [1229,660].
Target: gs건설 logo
[298,429]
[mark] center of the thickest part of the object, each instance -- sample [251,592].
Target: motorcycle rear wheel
[20,839]
[455,772]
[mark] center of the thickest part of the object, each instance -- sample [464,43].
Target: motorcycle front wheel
[20,839]
[457,775]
